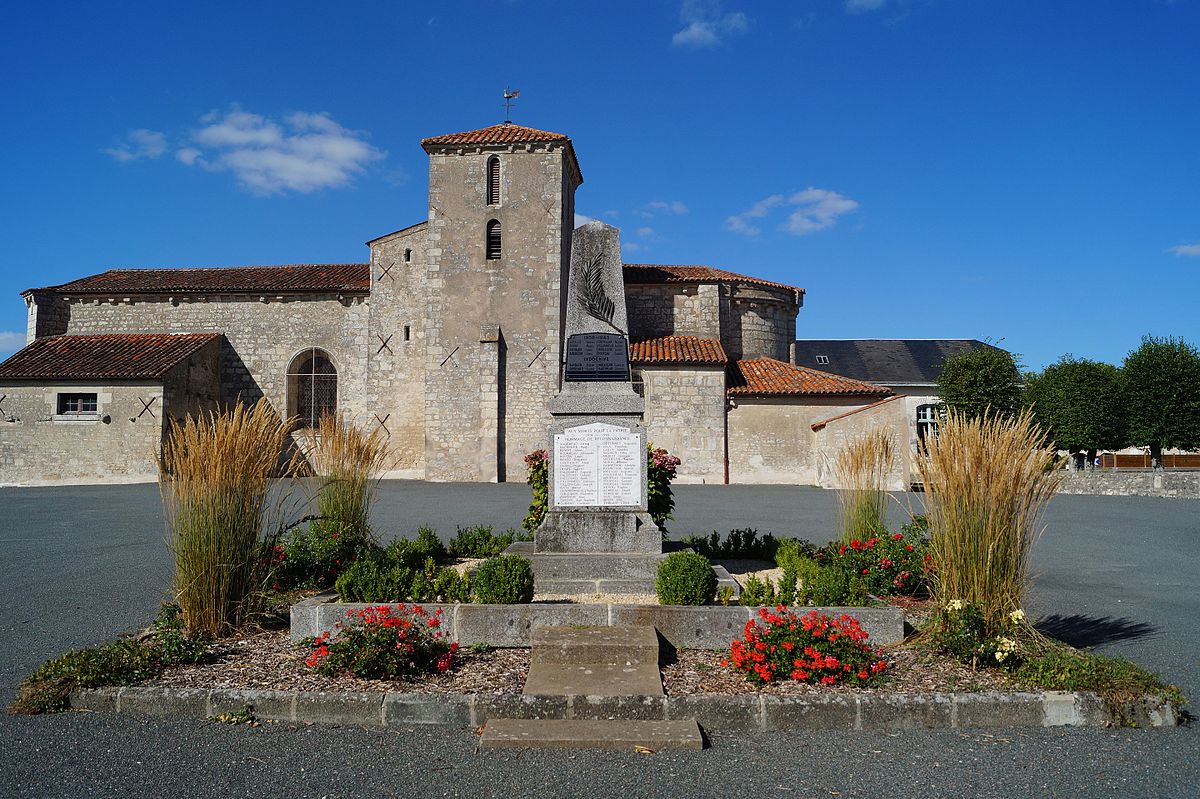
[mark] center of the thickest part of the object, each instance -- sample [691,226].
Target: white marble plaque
[597,465]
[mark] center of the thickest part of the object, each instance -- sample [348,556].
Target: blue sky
[1024,171]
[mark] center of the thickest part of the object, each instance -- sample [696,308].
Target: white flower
[1017,616]
[955,604]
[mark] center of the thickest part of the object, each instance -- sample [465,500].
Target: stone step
[578,734]
[593,679]
[618,646]
[575,587]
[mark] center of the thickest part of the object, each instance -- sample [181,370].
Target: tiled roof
[823,422]
[887,361]
[665,273]
[292,278]
[118,355]
[504,133]
[769,377]
[678,349]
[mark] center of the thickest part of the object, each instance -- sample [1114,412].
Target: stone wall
[119,443]
[1182,483]
[262,337]
[771,440]
[761,324]
[396,346]
[832,438]
[685,414]
[49,315]
[673,310]
[493,326]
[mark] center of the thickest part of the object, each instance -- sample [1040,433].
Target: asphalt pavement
[86,563]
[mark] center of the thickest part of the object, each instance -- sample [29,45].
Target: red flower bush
[887,564]
[383,642]
[813,648]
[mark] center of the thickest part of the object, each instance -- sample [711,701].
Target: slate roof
[667,273]
[322,278]
[767,377]
[124,356]
[504,133]
[885,361]
[678,349]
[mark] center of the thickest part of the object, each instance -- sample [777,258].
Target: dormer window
[493,181]
[823,360]
[493,240]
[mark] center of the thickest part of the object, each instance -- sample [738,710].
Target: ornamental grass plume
[348,463]
[215,478]
[987,481]
[862,469]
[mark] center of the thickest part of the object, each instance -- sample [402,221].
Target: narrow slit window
[493,181]
[407,255]
[406,333]
[493,240]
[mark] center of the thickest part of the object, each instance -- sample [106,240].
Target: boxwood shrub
[685,578]
[504,580]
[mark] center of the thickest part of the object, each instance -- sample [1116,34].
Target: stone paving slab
[597,644]
[570,734]
[593,679]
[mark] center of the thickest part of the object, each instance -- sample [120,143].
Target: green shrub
[384,642]
[383,578]
[312,556]
[834,588]
[504,580]
[886,564]
[414,553]
[1116,679]
[765,593]
[122,662]
[813,648]
[538,478]
[481,542]
[743,543]
[685,578]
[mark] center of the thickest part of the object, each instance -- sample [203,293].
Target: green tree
[982,380]
[1162,393]
[1080,404]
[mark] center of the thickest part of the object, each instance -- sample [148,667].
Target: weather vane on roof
[509,96]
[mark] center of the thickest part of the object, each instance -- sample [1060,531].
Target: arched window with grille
[493,181]
[312,387]
[493,240]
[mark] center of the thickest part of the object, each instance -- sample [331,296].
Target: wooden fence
[1110,461]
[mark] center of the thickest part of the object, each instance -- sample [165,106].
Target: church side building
[449,338]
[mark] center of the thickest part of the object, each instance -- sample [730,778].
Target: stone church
[449,338]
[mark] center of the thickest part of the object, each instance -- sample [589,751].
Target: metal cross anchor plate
[453,363]
[387,270]
[383,422]
[383,343]
[146,407]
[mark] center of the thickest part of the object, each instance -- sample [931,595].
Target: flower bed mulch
[270,661]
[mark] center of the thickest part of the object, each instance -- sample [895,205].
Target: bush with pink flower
[813,648]
[384,642]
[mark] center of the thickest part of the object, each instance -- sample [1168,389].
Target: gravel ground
[84,564]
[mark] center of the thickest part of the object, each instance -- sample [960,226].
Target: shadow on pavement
[1079,630]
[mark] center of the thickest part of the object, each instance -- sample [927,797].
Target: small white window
[76,404]
[823,360]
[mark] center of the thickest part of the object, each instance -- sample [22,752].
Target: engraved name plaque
[597,357]
[597,465]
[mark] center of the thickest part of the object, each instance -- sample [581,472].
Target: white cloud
[1185,249]
[580,219]
[663,207]
[644,231]
[10,342]
[631,246]
[812,210]
[705,26]
[863,6]
[138,144]
[303,152]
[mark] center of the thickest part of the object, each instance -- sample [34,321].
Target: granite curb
[693,627]
[714,712]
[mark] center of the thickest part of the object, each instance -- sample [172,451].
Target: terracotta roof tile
[291,278]
[666,273]
[678,349]
[119,355]
[769,377]
[504,133]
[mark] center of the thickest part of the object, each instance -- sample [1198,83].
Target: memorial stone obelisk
[596,511]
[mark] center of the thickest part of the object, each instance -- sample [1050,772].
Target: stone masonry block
[999,710]
[509,625]
[96,699]
[164,702]
[905,712]
[405,709]
[718,713]
[709,627]
[349,709]
[277,705]
[618,707]
[818,712]
[519,706]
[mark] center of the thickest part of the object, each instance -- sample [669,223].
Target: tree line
[1151,400]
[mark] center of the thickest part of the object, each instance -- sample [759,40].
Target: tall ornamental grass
[862,468]
[215,479]
[348,463]
[987,480]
